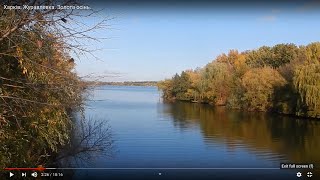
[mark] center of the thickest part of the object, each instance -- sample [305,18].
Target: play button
[11,174]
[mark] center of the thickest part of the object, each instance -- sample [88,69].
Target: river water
[161,140]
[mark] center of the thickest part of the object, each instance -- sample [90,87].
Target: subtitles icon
[309,174]
[299,174]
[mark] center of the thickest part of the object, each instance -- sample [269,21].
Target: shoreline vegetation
[39,90]
[282,79]
[125,83]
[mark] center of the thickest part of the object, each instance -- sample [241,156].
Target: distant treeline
[125,83]
[284,78]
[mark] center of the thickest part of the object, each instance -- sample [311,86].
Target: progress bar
[142,168]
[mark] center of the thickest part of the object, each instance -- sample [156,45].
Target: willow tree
[313,52]
[217,76]
[307,83]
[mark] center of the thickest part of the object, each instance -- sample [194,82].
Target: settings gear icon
[299,174]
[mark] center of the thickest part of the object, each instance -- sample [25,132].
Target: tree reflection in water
[287,138]
[91,139]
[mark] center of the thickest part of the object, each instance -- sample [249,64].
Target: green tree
[275,56]
[181,84]
[217,77]
[283,54]
[260,57]
[166,86]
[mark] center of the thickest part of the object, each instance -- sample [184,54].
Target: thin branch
[28,100]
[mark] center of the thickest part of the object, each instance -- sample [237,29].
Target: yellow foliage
[259,84]
[24,71]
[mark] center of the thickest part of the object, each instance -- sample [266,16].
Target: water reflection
[150,133]
[91,139]
[272,137]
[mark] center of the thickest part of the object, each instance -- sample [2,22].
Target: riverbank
[283,79]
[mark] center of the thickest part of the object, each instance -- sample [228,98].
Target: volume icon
[35,174]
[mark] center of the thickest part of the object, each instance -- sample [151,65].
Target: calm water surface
[149,133]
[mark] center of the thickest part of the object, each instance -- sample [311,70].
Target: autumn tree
[39,91]
[307,83]
[275,56]
[166,87]
[313,52]
[260,57]
[259,84]
[218,76]
[193,93]
[283,54]
[283,78]
[181,84]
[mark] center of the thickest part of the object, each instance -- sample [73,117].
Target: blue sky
[154,43]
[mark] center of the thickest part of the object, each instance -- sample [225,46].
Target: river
[155,139]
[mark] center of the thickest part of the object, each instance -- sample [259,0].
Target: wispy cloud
[272,16]
[269,18]
[309,6]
